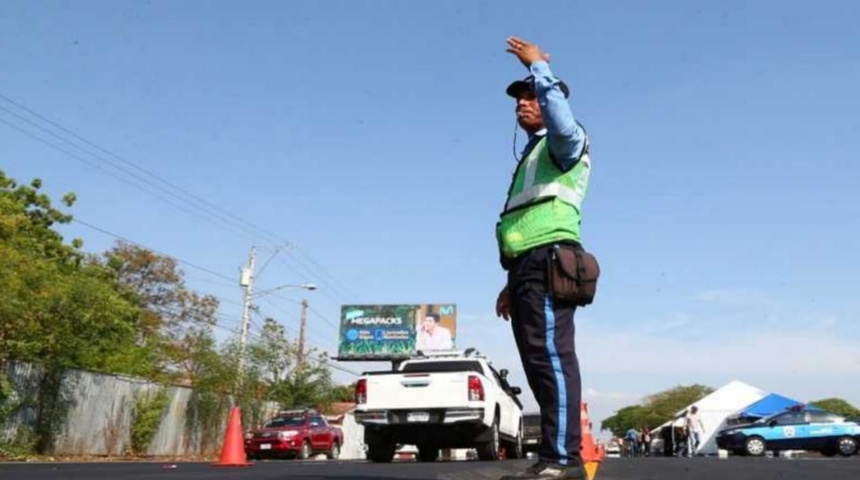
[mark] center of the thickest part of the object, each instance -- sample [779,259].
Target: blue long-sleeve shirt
[565,137]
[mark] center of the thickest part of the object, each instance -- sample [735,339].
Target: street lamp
[306,286]
[247,282]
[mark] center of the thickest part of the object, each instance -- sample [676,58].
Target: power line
[179,260]
[324,319]
[114,175]
[312,310]
[119,237]
[290,315]
[211,282]
[326,292]
[119,158]
[325,272]
[342,369]
[219,213]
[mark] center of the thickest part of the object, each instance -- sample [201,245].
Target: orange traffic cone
[592,454]
[233,452]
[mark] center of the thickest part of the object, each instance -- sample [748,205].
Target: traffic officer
[543,209]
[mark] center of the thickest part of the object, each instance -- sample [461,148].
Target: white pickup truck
[446,399]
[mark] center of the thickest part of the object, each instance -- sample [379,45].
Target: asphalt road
[611,469]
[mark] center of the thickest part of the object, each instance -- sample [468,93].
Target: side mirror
[516,390]
[771,423]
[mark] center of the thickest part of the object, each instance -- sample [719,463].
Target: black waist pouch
[573,274]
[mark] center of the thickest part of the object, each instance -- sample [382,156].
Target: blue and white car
[795,429]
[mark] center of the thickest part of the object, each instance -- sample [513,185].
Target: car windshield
[785,417]
[531,420]
[285,422]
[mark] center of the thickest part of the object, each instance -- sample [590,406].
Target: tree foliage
[272,362]
[655,409]
[128,310]
[55,308]
[173,320]
[837,406]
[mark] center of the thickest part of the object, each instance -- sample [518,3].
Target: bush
[145,419]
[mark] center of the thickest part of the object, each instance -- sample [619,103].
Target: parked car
[531,432]
[613,449]
[441,400]
[795,429]
[296,434]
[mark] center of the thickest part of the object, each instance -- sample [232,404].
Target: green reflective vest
[544,202]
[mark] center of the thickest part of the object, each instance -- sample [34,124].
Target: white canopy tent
[715,408]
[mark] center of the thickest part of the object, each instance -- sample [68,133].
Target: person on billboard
[542,213]
[432,336]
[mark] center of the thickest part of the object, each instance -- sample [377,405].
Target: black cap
[528,83]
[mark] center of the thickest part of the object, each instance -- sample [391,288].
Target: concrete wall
[96,414]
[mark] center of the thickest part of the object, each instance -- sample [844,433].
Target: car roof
[296,412]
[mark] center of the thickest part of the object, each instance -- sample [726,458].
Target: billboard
[390,332]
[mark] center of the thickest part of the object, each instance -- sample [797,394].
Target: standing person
[541,212]
[646,441]
[633,439]
[695,429]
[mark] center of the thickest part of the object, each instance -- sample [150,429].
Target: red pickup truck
[295,434]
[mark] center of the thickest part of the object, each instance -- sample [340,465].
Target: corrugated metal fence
[93,413]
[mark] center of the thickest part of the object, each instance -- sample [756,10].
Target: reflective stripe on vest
[544,202]
[530,192]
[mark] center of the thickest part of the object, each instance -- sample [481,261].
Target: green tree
[624,419]
[272,354]
[271,363]
[342,393]
[837,406]
[655,409]
[56,308]
[175,323]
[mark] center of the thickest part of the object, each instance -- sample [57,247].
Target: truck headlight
[287,435]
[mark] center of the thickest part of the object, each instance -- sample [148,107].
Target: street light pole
[247,281]
[302,332]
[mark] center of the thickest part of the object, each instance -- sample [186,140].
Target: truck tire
[428,453]
[514,449]
[489,451]
[381,452]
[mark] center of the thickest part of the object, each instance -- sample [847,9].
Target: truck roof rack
[468,353]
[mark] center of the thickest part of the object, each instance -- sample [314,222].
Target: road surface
[611,469]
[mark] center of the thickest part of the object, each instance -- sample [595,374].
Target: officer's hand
[525,51]
[503,304]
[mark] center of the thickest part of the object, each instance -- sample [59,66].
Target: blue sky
[376,137]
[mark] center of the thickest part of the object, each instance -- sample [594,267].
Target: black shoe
[550,471]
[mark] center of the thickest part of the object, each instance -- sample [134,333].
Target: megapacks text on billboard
[391,332]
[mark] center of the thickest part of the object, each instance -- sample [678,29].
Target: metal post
[247,281]
[302,332]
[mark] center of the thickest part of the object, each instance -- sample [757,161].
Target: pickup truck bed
[435,403]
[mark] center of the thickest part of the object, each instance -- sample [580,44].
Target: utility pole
[246,281]
[301,356]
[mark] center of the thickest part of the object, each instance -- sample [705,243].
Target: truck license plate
[265,446]
[418,417]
